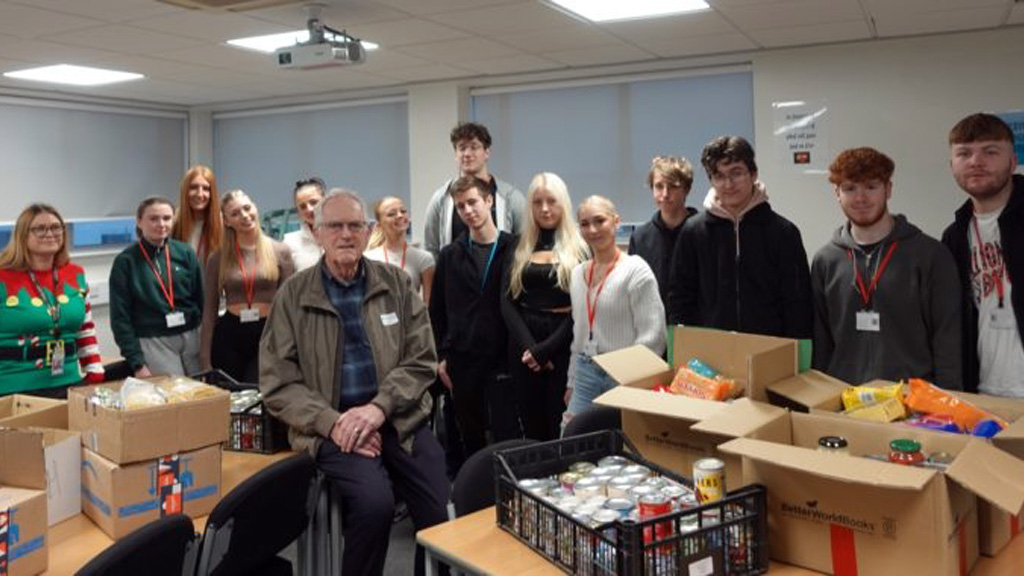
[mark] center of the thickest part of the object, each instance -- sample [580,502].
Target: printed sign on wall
[800,129]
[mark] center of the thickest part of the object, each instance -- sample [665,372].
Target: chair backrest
[164,547]
[596,419]
[473,488]
[258,518]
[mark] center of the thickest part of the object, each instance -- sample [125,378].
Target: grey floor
[401,550]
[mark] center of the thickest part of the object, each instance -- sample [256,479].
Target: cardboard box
[849,514]
[23,528]
[121,498]
[806,391]
[21,410]
[126,436]
[676,431]
[61,474]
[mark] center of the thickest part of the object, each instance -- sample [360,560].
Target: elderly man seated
[346,358]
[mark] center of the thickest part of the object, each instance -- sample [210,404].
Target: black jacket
[761,287]
[465,319]
[655,243]
[1011,234]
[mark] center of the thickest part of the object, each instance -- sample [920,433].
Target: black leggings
[235,348]
[540,395]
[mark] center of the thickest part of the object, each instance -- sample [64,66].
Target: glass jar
[905,451]
[833,445]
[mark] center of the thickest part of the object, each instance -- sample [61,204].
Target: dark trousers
[540,395]
[482,399]
[235,347]
[446,428]
[368,503]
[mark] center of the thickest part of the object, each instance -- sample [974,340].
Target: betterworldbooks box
[121,498]
[61,473]
[23,526]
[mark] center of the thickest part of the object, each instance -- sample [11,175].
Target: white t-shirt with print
[416,261]
[1000,353]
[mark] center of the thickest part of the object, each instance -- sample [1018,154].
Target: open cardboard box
[676,431]
[22,410]
[61,475]
[848,514]
[122,498]
[23,525]
[125,436]
[817,392]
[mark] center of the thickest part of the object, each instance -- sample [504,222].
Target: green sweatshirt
[138,306]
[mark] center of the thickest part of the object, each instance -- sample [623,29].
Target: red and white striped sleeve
[89,348]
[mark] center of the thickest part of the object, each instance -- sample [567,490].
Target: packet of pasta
[690,383]
[928,398]
[858,396]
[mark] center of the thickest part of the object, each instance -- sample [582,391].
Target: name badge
[175,319]
[249,315]
[57,358]
[389,319]
[590,348]
[1002,319]
[868,321]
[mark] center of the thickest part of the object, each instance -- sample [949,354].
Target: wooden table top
[476,544]
[75,541]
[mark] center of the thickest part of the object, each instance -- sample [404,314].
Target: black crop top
[540,288]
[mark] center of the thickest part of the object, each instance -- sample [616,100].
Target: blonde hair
[185,221]
[16,255]
[599,202]
[377,237]
[266,258]
[569,249]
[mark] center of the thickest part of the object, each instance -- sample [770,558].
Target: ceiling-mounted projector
[325,47]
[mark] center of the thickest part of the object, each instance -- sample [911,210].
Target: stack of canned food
[246,420]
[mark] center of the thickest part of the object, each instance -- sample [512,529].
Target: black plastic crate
[727,537]
[249,431]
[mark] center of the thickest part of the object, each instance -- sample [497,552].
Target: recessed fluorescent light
[272,42]
[75,75]
[608,10]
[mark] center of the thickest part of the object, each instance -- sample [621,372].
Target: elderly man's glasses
[44,230]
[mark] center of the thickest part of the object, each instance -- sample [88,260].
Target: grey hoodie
[917,299]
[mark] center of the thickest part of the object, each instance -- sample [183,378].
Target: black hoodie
[655,242]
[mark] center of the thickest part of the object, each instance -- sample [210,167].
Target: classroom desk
[77,540]
[474,544]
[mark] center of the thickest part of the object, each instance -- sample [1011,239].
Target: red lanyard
[167,289]
[996,274]
[405,246]
[592,306]
[866,293]
[52,307]
[248,284]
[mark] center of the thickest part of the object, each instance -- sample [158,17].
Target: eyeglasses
[732,177]
[336,227]
[43,230]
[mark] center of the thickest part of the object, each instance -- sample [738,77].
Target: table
[475,544]
[77,540]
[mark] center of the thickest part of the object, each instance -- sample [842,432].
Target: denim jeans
[591,382]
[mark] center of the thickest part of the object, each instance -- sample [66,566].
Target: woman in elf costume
[47,335]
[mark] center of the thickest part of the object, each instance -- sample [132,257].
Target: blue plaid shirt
[357,380]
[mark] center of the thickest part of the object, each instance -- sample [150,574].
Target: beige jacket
[299,362]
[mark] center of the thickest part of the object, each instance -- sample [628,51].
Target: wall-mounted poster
[1015,118]
[800,130]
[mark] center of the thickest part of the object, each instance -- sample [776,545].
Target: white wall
[899,96]
[433,110]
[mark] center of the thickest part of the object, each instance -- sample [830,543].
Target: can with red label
[651,506]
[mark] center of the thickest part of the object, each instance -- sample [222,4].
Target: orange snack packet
[930,399]
[689,383]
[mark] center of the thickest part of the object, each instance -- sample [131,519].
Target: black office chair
[473,488]
[596,419]
[164,547]
[259,518]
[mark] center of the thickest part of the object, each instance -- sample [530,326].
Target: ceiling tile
[1016,15]
[423,7]
[457,51]
[106,10]
[790,13]
[934,22]
[212,26]
[403,32]
[378,60]
[50,53]
[512,65]
[601,55]
[508,18]
[559,39]
[121,38]
[223,56]
[27,22]
[918,6]
[341,77]
[693,24]
[432,72]
[337,14]
[817,34]
[694,46]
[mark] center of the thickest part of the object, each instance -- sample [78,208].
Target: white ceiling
[182,53]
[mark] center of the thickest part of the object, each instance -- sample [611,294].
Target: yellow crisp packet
[857,396]
[888,410]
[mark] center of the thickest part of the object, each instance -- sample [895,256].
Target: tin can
[636,469]
[656,482]
[650,507]
[582,467]
[640,491]
[674,493]
[569,479]
[604,516]
[709,479]
[619,486]
[611,470]
[614,460]
[589,487]
[620,505]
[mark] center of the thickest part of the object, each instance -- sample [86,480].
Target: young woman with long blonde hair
[388,244]
[537,307]
[247,270]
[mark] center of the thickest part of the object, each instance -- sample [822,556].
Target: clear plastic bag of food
[180,389]
[690,383]
[136,394]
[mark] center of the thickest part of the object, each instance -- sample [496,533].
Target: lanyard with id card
[249,313]
[55,355]
[868,320]
[590,346]
[173,318]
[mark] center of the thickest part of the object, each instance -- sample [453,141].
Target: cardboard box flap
[812,389]
[661,404]
[1015,431]
[992,474]
[636,362]
[22,460]
[836,467]
[740,418]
